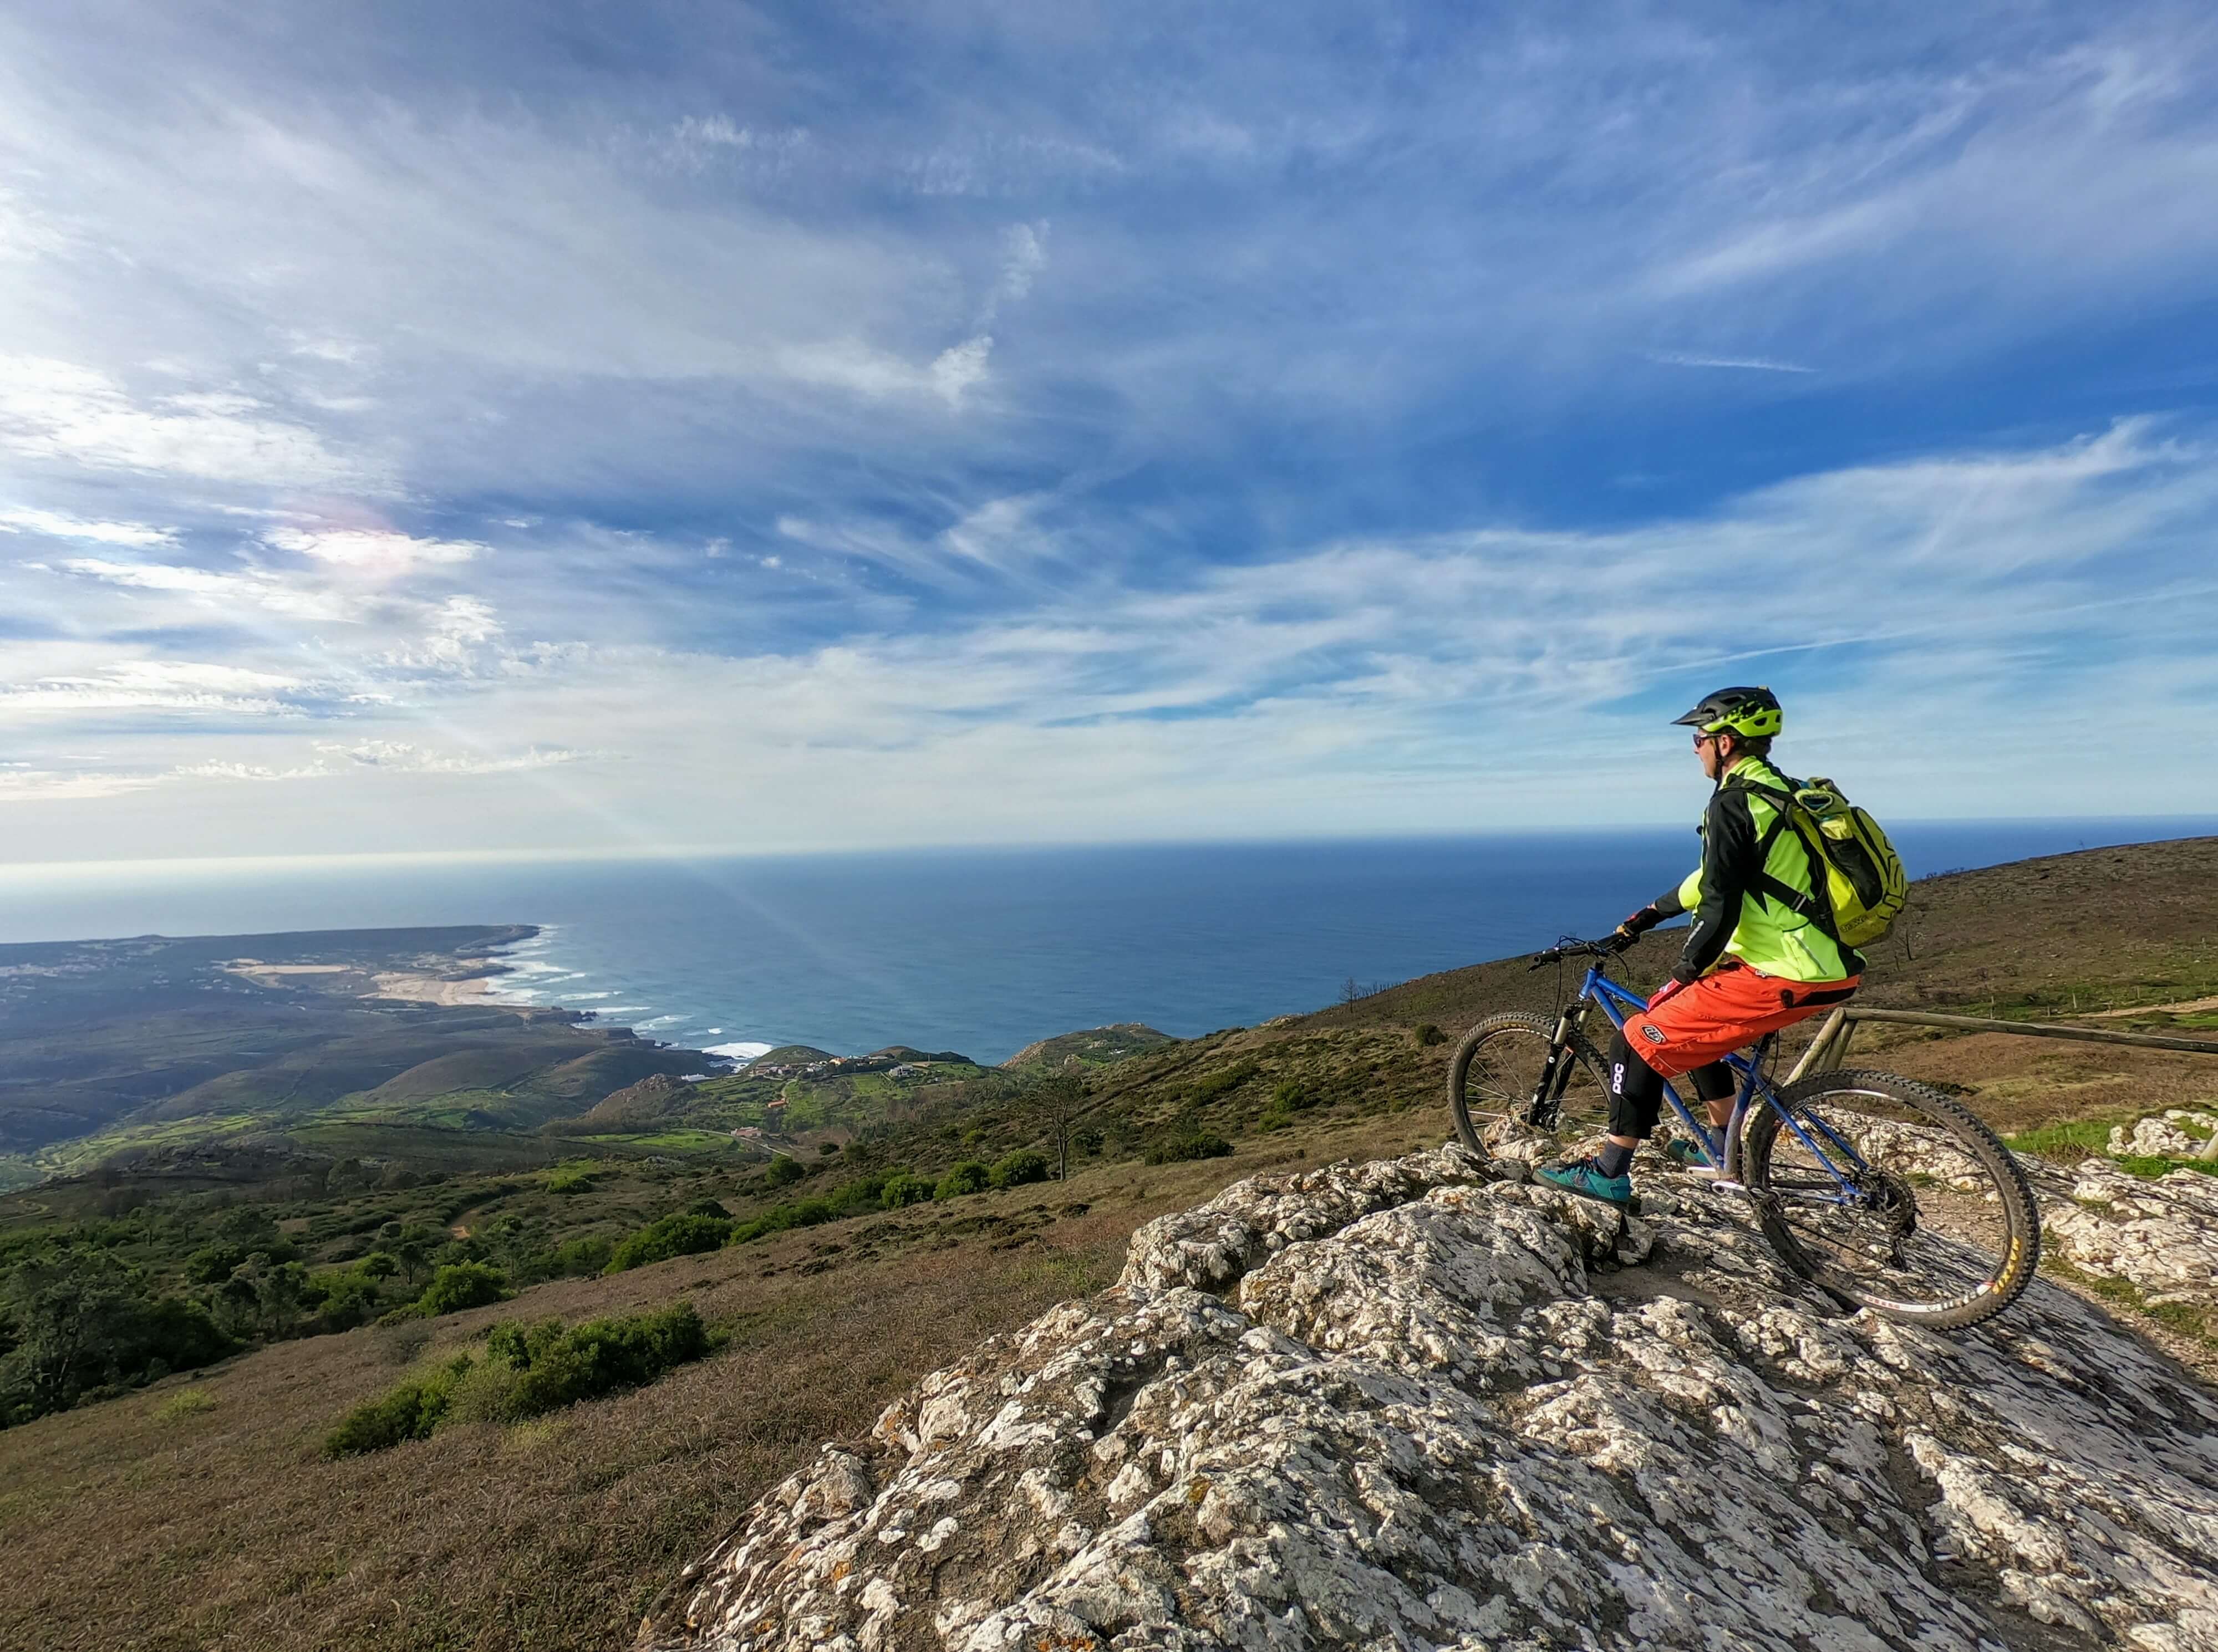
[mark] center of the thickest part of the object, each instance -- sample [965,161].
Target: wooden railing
[1827,1049]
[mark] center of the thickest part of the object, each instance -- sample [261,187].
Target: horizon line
[682,853]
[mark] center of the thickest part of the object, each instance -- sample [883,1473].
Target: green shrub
[1196,1144]
[588,1253]
[800,1213]
[571,1179]
[971,1176]
[713,1209]
[902,1188]
[528,1370]
[1218,1084]
[683,1235]
[192,1401]
[212,1265]
[1287,1099]
[1428,1035]
[408,1412]
[1024,1166]
[351,1298]
[462,1285]
[783,1171]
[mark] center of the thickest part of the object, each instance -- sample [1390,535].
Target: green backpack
[1866,886]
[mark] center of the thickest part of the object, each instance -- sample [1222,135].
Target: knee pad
[1636,1091]
[1714,1082]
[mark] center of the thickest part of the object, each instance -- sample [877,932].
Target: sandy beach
[406,986]
[433,989]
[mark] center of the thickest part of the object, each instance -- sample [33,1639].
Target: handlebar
[1572,947]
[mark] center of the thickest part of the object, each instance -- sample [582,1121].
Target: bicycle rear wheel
[1497,1069]
[1937,1225]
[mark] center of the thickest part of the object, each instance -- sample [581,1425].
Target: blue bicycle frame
[1724,1157]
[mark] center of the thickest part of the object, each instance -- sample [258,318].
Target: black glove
[1636,927]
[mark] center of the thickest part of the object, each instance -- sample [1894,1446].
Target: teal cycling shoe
[1685,1152]
[1585,1179]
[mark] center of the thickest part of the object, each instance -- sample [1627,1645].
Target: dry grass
[159,1522]
[149,1524]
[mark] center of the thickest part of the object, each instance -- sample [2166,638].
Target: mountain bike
[1883,1191]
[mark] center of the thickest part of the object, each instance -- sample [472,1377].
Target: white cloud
[1757,363]
[387,757]
[958,368]
[253,588]
[1023,258]
[403,758]
[379,552]
[53,525]
[156,685]
[227,771]
[30,785]
[57,410]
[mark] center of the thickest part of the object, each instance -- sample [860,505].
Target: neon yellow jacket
[1733,917]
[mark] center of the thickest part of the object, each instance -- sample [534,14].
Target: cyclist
[1759,957]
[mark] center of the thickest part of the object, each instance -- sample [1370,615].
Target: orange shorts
[1731,1006]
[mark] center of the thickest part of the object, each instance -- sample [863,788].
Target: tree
[1056,1102]
[72,1313]
[412,1245]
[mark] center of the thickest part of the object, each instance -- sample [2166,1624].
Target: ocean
[978,950]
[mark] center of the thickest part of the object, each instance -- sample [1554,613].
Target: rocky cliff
[1425,1403]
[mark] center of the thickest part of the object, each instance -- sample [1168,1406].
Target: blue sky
[591,427]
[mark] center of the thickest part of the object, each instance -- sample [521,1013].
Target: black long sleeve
[1730,865]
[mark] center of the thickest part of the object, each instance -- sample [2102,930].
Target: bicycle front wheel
[1893,1197]
[1496,1076]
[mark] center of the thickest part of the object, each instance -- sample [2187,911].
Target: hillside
[563,1531]
[1426,1402]
[1092,1047]
[115,1049]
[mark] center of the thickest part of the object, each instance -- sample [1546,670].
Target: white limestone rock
[2160,1236]
[1441,1412]
[2181,1133]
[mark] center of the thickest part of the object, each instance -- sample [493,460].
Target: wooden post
[1812,1061]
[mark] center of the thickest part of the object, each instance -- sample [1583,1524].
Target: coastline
[453,991]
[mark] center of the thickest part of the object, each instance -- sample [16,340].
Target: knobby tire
[1951,1294]
[1519,1041]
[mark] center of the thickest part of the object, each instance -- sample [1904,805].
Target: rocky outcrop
[657,1096]
[2160,1236]
[1429,1404]
[2181,1133]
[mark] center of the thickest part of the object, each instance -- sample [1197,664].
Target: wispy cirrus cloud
[52,525]
[1752,363]
[1113,422]
[58,409]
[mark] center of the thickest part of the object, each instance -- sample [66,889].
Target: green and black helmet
[1752,712]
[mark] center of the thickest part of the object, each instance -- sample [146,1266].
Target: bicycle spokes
[1894,1196]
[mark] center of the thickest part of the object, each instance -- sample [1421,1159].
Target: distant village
[837,1066]
[832,1066]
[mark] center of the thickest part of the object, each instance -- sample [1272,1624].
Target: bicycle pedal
[1719,1182]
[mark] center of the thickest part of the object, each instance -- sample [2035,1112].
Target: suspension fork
[1556,1072]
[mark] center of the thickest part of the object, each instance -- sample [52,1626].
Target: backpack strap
[1814,907]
